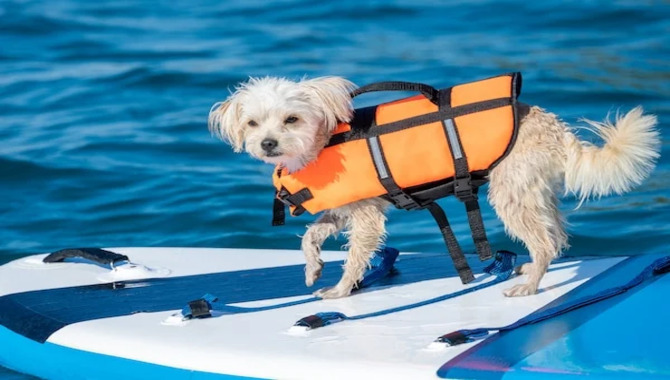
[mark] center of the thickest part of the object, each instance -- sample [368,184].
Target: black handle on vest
[428,91]
[94,254]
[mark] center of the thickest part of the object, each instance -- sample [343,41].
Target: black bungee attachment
[98,255]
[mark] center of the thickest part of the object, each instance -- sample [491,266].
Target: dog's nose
[269,144]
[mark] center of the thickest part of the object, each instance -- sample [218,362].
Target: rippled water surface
[103,108]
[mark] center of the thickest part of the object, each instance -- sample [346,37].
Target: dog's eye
[291,120]
[252,123]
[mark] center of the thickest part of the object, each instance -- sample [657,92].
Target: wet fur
[546,161]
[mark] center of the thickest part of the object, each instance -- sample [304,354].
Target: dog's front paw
[521,290]
[312,273]
[332,292]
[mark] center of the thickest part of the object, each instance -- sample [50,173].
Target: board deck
[107,324]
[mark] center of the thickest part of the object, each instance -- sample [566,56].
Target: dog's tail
[627,157]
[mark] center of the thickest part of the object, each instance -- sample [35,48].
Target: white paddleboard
[79,319]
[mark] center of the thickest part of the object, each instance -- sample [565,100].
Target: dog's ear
[334,95]
[224,122]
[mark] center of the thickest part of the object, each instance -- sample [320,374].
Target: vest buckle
[402,200]
[295,199]
[283,195]
[463,189]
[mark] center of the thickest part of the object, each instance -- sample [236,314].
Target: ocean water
[103,109]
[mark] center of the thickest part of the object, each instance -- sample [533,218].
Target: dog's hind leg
[535,220]
[529,212]
[366,233]
[530,215]
[523,193]
[328,224]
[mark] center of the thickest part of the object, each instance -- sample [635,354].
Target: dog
[287,123]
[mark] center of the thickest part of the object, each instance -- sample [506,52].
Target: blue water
[103,109]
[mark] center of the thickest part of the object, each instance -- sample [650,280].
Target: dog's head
[281,121]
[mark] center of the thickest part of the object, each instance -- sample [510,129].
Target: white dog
[288,123]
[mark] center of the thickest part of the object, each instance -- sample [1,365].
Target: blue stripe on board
[52,361]
[496,356]
[38,314]
[629,340]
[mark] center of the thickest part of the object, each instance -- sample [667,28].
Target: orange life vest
[411,151]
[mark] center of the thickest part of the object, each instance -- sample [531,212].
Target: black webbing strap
[428,91]
[296,199]
[461,265]
[278,212]
[463,187]
[477,229]
[446,189]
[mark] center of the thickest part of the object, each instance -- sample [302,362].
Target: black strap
[471,206]
[200,308]
[477,230]
[284,198]
[296,199]
[464,189]
[437,191]
[466,192]
[311,322]
[428,91]
[461,265]
[94,254]
[278,212]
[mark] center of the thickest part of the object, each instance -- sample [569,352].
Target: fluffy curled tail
[627,157]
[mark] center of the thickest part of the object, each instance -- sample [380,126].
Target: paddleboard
[84,318]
